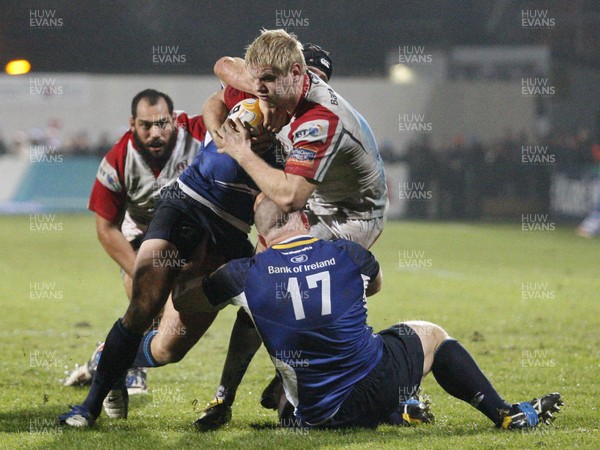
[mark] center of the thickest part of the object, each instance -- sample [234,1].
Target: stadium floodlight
[18,67]
[401,74]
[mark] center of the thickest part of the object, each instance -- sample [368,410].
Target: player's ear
[131,124]
[304,219]
[262,241]
[296,72]
[259,198]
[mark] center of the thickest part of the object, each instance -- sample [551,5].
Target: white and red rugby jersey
[329,142]
[126,189]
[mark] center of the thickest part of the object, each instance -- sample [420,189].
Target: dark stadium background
[105,37]
[114,38]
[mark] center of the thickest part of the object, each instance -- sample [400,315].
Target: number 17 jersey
[306,297]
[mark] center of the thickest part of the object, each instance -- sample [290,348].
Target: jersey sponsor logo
[320,264]
[302,156]
[278,269]
[299,259]
[108,176]
[313,131]
[333,98]
[300,250]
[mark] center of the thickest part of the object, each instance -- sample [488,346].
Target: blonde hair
[276,48]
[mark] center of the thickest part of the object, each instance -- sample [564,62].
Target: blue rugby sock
[458,373]
[144,358]
[119,351]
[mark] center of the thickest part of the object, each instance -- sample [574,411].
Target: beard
[153,157]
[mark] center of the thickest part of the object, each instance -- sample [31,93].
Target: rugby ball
[248,112]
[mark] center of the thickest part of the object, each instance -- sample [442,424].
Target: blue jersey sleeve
[227,282]
[362,258]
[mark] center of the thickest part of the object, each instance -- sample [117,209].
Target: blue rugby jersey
[217,181]
[307,299]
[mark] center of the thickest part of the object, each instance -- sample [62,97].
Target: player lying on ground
[307,298]
[158,147]
[200,222]
[332,167]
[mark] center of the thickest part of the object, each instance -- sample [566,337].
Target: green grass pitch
[525,303]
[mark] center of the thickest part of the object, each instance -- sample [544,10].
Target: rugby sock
[144,358]
[243,344]
[458,373]
[121,382]
[119,351]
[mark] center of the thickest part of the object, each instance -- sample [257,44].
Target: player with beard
[158,147]
[152,154]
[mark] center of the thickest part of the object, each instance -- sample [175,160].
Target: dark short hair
[151,96]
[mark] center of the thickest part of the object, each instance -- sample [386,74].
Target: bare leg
[154,275]
[431,336]
[127,284]
[178,333]
[185,319]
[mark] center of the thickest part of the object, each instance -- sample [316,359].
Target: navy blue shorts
[137,242]
[396,378]
[184,222]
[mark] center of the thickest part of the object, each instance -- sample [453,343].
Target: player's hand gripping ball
[248,112]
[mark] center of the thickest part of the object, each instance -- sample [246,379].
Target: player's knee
[137,319]
[439,335]
[141,312]
[170,356]
[149,292]
[142,284]
[166,355]
[145,306]
[430,333]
